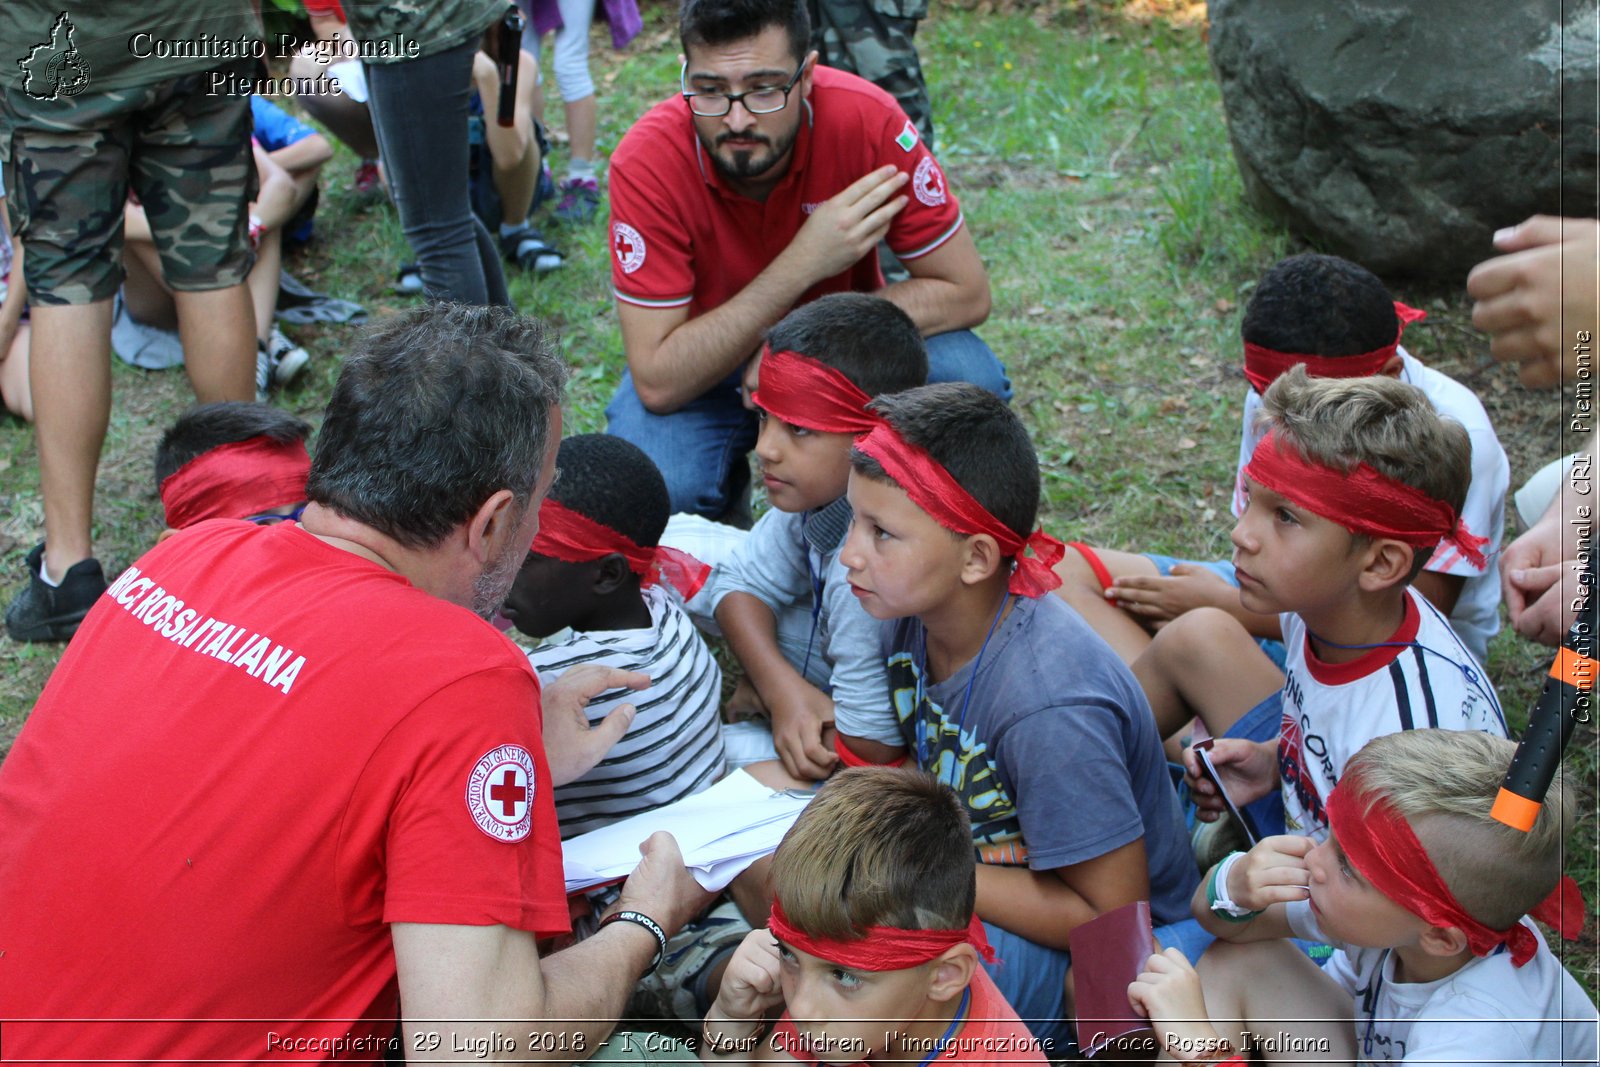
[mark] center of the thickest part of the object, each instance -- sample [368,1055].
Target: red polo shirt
[680,236]
[258,753]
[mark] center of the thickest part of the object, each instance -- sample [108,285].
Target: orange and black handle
[1565,701]
[508,46]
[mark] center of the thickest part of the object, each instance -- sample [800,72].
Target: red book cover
[1108,952]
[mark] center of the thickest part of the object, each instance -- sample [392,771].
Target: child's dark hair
[718,22]
[208,426]
[1318,305]
[877,846]
[613,482]
[973,435]
[868,339]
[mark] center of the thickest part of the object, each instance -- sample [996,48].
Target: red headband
[802,391]
[573,538]
[1263,365]
[236,480]
[1386,851]
[932,489]
[881,948]
[1362,501]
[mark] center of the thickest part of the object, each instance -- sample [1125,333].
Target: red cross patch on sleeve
[500,793]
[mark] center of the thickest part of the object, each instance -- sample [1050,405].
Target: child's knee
[1200,637]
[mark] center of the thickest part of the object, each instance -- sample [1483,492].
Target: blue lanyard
[920,696]
[955,1024]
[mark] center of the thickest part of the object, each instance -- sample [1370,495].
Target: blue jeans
[419,113]
[698,445]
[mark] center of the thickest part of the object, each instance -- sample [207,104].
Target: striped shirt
[674,747]
[1422,677]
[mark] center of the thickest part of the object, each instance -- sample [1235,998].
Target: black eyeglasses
[762,101]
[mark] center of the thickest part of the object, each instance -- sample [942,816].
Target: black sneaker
[43,613]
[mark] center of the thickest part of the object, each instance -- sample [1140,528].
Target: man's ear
[164,534]
[1443,941]
[611,574]
[981,559]
[808,67]
[496,519]
[1388,563]
[952,972]
[1393,366]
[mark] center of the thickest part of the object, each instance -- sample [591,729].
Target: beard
[750,161]
[490,588]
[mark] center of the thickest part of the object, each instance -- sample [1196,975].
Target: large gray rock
[1403,133]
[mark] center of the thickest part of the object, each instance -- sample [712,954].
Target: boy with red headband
[1337,320]
[596,567]
[1353,485]
[232,460]
[873,948]
[1426,898]
[1004,692]
[782,600]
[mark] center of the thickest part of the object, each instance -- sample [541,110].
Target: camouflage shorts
[70,164]
[875,39]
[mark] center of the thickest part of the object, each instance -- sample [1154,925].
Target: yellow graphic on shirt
[957,758]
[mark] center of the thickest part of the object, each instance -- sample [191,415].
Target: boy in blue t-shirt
[1004,692]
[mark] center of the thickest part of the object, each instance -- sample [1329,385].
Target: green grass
[1090,154]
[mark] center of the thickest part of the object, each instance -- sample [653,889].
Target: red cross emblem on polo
[500,793]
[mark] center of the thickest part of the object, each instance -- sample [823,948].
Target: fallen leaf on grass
[1186,443]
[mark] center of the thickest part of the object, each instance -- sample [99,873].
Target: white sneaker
[287,358]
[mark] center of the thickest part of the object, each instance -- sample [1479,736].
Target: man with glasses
[767,182]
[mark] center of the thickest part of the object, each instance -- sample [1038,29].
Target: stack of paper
[720,832]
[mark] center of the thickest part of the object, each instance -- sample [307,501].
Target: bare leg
[70,376]
[218,328]
[263,281]
[582,118]
[1081,588]
[1271,990]
[14,375]
[1204,663]
[516,184]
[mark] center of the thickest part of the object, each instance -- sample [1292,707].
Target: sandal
[526,247]
[408,280]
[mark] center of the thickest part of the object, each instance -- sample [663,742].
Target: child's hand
[1168,993]
[1156,600]
[798,719]
[1249,769]
[750,986]
[1274,872]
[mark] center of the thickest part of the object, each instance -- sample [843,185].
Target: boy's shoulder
[1448,396]
[1534,1013]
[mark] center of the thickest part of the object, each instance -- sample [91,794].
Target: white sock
[509,228]
[44,573]
[580,168]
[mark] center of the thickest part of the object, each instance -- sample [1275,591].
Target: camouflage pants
[70,164]
[874,38]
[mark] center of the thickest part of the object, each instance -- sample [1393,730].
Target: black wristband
[640,919]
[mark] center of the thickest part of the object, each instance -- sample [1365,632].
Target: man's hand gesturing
[848,226]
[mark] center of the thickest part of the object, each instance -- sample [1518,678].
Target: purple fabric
[621,15]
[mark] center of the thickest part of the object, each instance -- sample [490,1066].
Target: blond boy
[1426,899]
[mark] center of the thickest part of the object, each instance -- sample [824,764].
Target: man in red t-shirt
[767,183]
[286,774]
